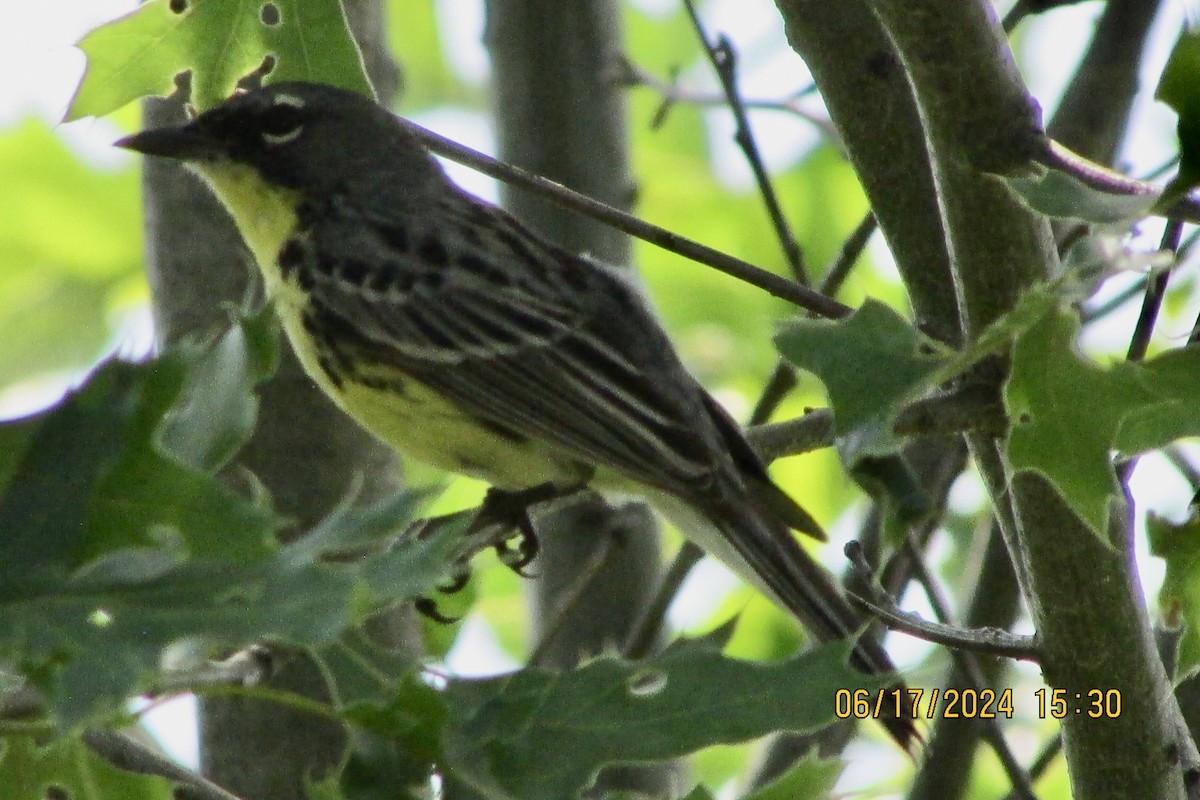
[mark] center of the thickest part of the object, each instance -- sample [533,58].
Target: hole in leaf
[647,682]
[57,793]
[1025,419]
[270,14]
[178,6]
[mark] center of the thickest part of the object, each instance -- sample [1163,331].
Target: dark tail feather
[754,518]
[804,588]
[774,503]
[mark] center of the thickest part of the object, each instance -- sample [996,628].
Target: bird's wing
[520,333]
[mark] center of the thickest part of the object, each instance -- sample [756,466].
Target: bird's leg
[427,607]
[510,511]
[507,511]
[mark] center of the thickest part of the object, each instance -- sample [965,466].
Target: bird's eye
[282,122]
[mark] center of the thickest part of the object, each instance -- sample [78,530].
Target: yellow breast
[395,408]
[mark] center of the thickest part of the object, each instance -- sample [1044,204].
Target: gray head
[308,137]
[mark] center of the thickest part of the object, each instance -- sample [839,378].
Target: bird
[458,336]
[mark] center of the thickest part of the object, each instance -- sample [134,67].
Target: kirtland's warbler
[458,336]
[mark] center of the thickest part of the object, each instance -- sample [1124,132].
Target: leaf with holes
[68,768]
[120,542]
[504,732]
[218,42]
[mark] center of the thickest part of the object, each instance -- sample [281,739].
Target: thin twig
[968,665]
[783,378]
[1156,289]
[585,575]
[1089,315]
[723,58]
[776,285]
[1041,763]
[773,440]
[1185,467]
[848,255]
[984,640]
[122,751]
[972,407]
[652,620]
[672,94]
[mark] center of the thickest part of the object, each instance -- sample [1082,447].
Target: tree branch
[776,285]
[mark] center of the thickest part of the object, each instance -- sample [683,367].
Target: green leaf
[1065,412]
[871,363]
[218,42]
[28,770]
[1179,597]
[120,541]
[68,451]
[608,711]
[1174,378]
[1057,193]
[219,408]
[1179,88]
[874,362]
[809,778]
[100,635]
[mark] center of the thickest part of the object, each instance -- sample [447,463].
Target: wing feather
[562,350]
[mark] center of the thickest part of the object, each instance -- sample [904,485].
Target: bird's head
[305,137]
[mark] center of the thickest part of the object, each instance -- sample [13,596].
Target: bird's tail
[751,538]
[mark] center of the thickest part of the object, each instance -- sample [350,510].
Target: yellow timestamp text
[1094,703]
[913,703]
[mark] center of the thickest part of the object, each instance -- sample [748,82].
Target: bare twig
[800,435]
[776,285]
[991,642]
[1156,289]
[723,57]
[969,408]
[1042,762]
[1089,315]
[779,384]
[968,665]
[651,621]
[672,94]
[848,255]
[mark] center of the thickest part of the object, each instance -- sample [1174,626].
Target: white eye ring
[275,139]
[291,101]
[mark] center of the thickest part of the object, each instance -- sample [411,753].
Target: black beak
[184,143]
